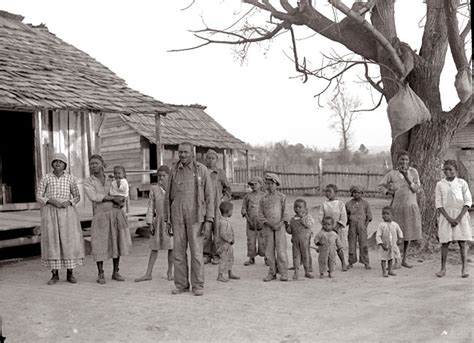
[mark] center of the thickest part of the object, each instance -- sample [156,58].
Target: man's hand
[169,228]
[206,226]
[152,228]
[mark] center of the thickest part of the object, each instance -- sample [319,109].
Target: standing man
[189,212]
[222,192]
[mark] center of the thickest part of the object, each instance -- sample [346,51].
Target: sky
[259,101]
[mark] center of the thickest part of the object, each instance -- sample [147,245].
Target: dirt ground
[355,306]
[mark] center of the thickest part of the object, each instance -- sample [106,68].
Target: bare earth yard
[355,306]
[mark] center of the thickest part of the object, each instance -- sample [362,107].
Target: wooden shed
[130,140]
[53,98]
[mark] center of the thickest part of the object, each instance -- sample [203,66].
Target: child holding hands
[386,237]
[328,246]
[300,231]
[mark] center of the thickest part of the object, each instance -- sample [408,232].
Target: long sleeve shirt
[453,194]
[272,209]
[250,205]
[62,188]
[358,211]
[335,209]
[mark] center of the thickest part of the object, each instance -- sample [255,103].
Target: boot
[250,261]
[70,277]
[269,277]
[54,278]
[101,278]
[232,276]
[221,278]
[116,276]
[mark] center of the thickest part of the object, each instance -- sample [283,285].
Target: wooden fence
[304,180]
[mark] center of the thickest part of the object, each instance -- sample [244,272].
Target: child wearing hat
[255,238]
[273,217]
[358,218]
[62,244]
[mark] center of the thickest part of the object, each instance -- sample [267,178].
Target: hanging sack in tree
[463,84]
[406,110]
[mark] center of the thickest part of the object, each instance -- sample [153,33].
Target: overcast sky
[258,101]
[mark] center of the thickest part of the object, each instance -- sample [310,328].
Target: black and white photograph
[236,171]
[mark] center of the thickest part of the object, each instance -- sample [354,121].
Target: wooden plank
[8,243]
[19,207]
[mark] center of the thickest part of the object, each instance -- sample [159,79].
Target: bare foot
[464,274]
[321,276]
[385,274]
[406,265]
[344,268]
[349,266]
[441,273]
[330,275]
[143,278]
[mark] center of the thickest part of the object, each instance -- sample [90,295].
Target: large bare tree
[369,31]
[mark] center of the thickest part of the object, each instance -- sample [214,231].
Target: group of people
[190,207]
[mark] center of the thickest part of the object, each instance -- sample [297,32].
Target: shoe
[392,273]
[309,275]
[222,279]
[284,278]
[344,268]
[249,262]
[441,273]
[269,277]
[179,291]
[406,265]
[215,260]
[101,278]
[207,259]
[233,276]
[266,262]
[291,268]
[385,274]
[368,267]
[349,266]
[54,278]
[70,277]
[117,277]
[295,275]
[198,292]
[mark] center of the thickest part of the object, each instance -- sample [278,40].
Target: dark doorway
[17,167]
[153,164]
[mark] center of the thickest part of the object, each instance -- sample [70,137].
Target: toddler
[328,246]
[300,231]
[119,186]
[224,242]
[387,235]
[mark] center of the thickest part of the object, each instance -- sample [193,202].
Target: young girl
[387,235]
[119,186]
[159,236]
[336,209]
[224,242]
[358,218]
[328,245]
[62,244]
[453,199]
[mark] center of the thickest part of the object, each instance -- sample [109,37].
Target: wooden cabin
[53,98]
[130,141]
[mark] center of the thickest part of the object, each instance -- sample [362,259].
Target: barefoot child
[250,213]
[328,245]
[358,218]
[300,231]
[119,186]
[272,216]
[159,236]
[387,235]
[224,242]
[336,209]
[453,199]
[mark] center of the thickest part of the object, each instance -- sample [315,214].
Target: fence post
[368,180]
[320,176]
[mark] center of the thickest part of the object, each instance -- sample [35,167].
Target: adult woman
[62,245]
[109,230]
[403,183]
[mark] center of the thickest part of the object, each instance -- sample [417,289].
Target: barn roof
[186,123]
[37,69]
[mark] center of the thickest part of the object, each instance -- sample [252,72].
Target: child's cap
[357,189]
[59,157]
[273,177]
[256,179]
[212,152]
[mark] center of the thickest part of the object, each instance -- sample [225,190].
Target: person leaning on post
[189,212]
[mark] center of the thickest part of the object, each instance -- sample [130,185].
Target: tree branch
[466,30]
[372,82]
[456,42]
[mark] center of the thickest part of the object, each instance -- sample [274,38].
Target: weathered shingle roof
[185,123]
[37,69]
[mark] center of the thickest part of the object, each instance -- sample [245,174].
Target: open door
[17,166]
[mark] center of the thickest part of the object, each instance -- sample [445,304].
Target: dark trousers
[300,249]
[358,233]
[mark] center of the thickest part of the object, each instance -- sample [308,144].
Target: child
[119,186]
[300,231]
[272,216]
[224,242]
[359,216]
[386,237]
[250,213]
[159,236]
[336,209]
[328,245]
[453,199]
[62,245]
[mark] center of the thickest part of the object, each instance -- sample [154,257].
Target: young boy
[328,246]
[300,231]
[224,243]
[359,216]
[387,235]
[159,236]
[250,213]
[336,209]
[272,216]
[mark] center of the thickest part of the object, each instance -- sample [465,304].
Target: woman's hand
[66,204]
[55,203]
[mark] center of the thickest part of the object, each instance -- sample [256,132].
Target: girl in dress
[387,235]
[453,199]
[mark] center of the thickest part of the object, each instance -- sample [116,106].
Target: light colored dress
[453,196]
[328,244]
[405,209]
[62,243]
[121,190]
[337,210]
[388,234]
[110,235]
[160,240]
